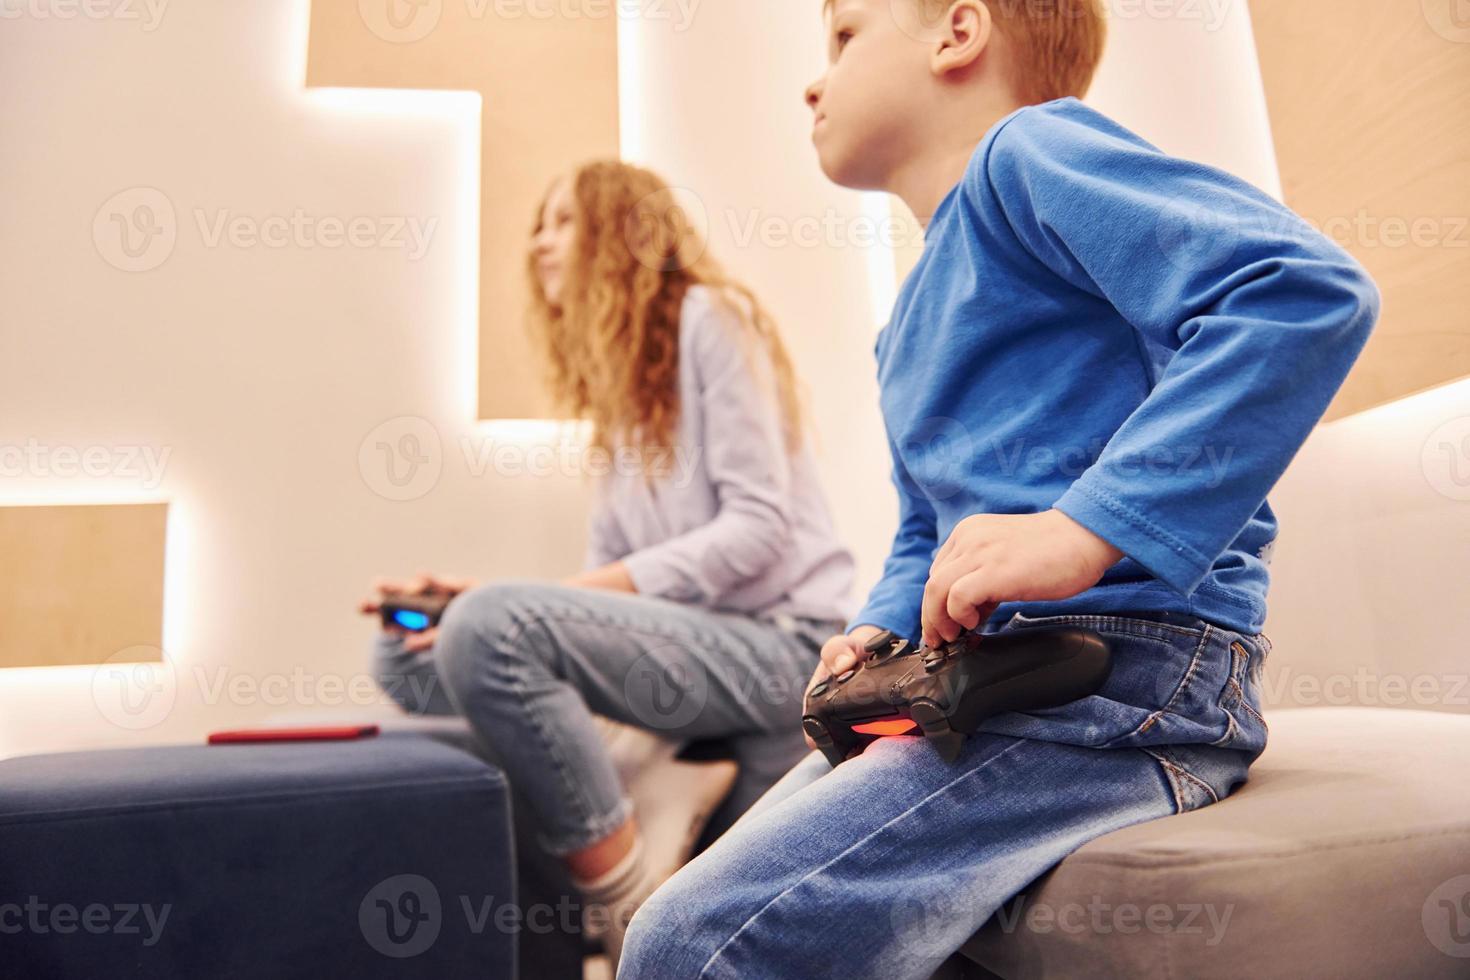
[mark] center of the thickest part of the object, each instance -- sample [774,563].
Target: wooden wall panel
[80,584]
[550,91]
[1370,110]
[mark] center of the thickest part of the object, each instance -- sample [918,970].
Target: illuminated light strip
[896,726]
[632,100]
[882,260]
[536,432]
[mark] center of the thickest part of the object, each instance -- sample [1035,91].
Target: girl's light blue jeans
[886,865]
[529,663]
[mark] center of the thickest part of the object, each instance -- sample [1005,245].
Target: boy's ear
[962,36]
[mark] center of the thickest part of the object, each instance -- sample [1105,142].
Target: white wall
[1183,74]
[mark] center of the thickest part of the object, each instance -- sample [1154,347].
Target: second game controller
[414,613]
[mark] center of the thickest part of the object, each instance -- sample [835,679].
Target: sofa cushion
[313,860]
[1346,855]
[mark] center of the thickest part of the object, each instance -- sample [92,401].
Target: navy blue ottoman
[387,857]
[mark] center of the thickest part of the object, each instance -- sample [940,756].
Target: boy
[1100,366]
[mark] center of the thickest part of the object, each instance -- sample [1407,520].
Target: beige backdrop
[80,584]
[1370,103]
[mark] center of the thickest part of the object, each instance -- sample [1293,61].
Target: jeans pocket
[1240,700]
[1199,775]
[1155,667]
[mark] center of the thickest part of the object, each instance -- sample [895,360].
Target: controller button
[844,678]
[879,642]
[817,691]
[814,728]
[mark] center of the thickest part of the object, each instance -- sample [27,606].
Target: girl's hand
[994,558]
[421,584]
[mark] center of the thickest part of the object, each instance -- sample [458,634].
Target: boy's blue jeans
[886,865]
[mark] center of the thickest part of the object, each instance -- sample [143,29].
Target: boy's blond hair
[1055,44]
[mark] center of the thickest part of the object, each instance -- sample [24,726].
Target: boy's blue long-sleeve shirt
[1139,341]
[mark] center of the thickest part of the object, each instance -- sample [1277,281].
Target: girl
[713,574]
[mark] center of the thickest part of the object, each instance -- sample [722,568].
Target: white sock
[618,882]
[613,896]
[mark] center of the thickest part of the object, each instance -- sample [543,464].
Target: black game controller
[947,692]
[414,613]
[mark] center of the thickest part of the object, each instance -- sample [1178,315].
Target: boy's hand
[839,655]
[994,558]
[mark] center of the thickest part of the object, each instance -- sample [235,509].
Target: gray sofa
[1347,855]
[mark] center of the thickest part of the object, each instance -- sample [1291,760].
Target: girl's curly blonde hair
[612,345]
